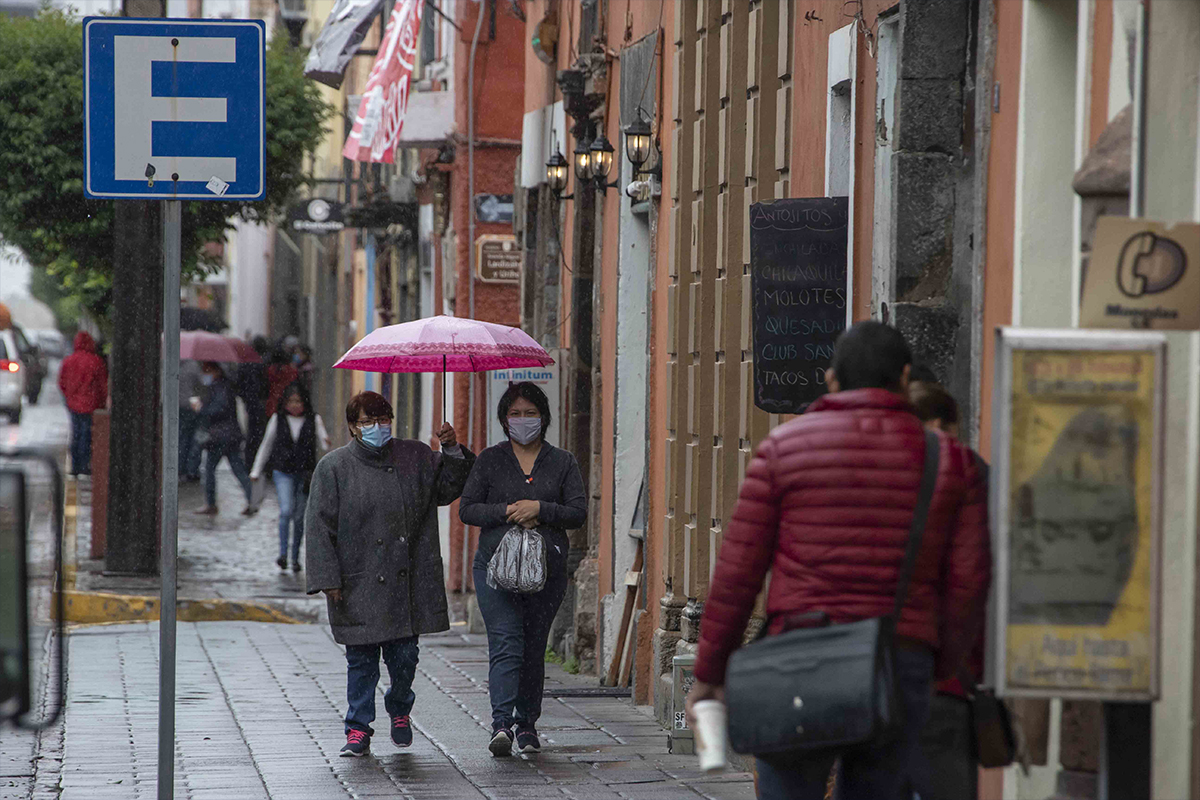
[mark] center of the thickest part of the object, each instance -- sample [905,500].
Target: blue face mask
[376,436]
[207,379]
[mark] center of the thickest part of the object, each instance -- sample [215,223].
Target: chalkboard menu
[798,280]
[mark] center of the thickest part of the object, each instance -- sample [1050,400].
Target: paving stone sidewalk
[259,716]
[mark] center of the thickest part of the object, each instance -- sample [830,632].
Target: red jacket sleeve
[967,574]
[746,554]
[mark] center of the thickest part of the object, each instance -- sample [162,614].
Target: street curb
[97,607]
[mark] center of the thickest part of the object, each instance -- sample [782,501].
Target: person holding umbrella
[374,549]
[217,415]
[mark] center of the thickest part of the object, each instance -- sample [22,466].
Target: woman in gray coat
[374,550]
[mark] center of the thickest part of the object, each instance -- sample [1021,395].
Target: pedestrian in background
[302,360]
[826,507]
[289,447]
[281,373]
[83,381]
[189,451]
[253,388]
[217,417]
[374,549]
[948,768]
[528,482]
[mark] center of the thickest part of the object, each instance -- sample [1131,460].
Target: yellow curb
[70,525]
[99,607]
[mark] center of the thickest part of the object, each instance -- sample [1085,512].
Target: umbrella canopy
[205,346]
[445,344]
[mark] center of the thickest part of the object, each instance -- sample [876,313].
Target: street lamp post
[295,16]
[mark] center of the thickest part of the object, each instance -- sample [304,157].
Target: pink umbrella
[444,344]
[205,346]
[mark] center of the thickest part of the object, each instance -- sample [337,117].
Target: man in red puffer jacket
[83,380]
[826,507]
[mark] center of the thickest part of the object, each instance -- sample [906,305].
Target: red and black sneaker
[402,731]
[358,744]
[528,741]
[502,742]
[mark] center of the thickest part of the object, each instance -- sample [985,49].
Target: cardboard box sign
[1143,274]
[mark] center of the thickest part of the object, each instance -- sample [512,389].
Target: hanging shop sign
[494,208]
[497,259]
[798,281]
[384,103]
[317,216]
[339,39]
[1143,274]
[1076,501]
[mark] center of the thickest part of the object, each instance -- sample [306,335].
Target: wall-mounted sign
[494,208]
[798,280]
[1143,274]
[498,259]
[317,216]
[1076,504]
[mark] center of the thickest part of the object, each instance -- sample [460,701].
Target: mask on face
[376,435]
[524,430]
[207,379]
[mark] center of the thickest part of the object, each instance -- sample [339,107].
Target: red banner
[381,114]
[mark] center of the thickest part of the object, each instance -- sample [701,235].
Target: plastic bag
[519,563]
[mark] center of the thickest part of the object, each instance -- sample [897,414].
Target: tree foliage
[42,207]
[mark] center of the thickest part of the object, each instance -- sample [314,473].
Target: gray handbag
[519,563]
[830,686]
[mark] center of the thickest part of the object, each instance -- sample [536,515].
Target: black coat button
[379,541]
[402,573]
[390,469]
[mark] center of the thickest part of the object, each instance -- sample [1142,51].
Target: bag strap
[928,481]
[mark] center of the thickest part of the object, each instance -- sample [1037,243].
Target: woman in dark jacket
[217,414]
[289,447]
[525,482]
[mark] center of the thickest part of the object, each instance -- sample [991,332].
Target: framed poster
[1076,503]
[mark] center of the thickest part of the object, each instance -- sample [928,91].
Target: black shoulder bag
[824,687]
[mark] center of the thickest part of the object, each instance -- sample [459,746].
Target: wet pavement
[260,705]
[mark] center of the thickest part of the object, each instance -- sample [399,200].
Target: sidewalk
[259,705]
[259,716]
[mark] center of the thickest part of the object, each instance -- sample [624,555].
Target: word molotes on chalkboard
[798,280]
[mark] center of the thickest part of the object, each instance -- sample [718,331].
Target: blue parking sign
[174,109]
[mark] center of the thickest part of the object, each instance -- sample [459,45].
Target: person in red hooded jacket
[83,380]
[826,507]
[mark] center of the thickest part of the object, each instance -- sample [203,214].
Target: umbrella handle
[443,387]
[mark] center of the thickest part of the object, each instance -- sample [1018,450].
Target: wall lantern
[583,162]
[556,173]
[638,142]
[600,158]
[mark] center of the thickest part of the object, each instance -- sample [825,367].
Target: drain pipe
[466,543]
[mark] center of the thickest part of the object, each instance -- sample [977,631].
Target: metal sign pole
[170,498]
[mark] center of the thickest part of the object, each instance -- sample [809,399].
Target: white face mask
[524,430]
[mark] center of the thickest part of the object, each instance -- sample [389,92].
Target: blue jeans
[882,772]
[81,444]
[216,451]
[362,677]
[189,455]
[518,626]
[289,489]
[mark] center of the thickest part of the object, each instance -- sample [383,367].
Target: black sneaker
[358,744]
[528,741]
[402,731]
[281,562]
[502,742]
[295,566]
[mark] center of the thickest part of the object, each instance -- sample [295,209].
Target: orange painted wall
[1102,45]
[1001,204]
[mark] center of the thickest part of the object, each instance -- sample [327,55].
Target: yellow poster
[1080,522]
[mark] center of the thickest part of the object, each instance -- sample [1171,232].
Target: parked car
[51,342]
[33,361]
[12,376]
